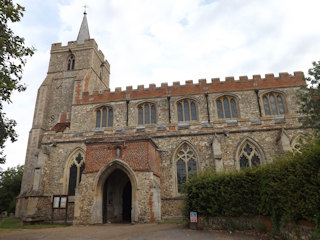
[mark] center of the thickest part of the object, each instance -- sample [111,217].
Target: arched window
[75,171]
[147,114]
[273,103]
[71,61]
[187,110]
[297,142]
[249,155]
[104,117]
[186,162]
[227,107]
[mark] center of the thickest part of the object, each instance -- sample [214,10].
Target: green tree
[12,60]
[309,98]
[10,183]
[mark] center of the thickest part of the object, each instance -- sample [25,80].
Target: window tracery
[249,155]
[187,110]
[71,62]
[297,142]
[186,163]
[104,117]
[147,114]
[273,103]
[227,107]
[75,172]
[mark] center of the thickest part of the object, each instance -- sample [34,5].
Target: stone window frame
[70,161]
[182,102]
[256,148]
[107,122]
[175,161]
[143,104]
[296,142]
[265,96]
[71,62]
[229,97]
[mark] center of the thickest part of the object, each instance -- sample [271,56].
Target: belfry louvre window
[75,172]
[187,110]
[273,103]
[249,155]
[227,107]
[186,164]
[71,61]
[147,113]
[104,117]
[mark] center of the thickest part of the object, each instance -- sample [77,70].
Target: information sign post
[193,220]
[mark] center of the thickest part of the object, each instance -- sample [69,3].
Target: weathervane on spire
[85,8]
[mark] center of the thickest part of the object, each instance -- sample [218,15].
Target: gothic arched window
[273,103]
[75,171]
[187,110]
[71,61]
[297,142]
[104,117]
[227,107]
[147,114]
[186,163]
[249,155]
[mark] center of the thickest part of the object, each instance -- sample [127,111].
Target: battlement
[216,85]
[73,45]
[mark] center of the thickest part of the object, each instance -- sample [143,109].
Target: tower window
[227,107]
[104,117]
[147,114]
[273,103]
[187,110]
[71,61]
[75,172]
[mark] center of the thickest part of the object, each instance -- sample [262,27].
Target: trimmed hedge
[288,188]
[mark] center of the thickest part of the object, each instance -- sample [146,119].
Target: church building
[122,156]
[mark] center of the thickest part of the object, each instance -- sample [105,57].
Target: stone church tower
[123,155]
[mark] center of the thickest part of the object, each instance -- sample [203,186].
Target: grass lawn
[14,223]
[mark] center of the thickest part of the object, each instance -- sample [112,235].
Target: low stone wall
[262,224]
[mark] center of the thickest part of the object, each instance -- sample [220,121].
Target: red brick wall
[139,155]
[216,85]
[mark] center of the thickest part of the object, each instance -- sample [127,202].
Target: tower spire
[84,29]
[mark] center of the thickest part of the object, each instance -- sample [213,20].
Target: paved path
[122,232]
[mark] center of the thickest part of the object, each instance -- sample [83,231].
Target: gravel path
[122,232]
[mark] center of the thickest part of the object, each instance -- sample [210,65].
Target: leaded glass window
[227,107]
[249,155]
[75,172]
[187,110]
[71,61]
[147,114]
[186,161]
[104,117]
[273,103]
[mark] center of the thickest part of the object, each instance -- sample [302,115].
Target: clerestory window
[187,110]
[104,117]
[147,114]
[273,103]
[75,173]
[186,163]
[227,107]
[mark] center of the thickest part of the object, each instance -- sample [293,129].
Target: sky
[156,41]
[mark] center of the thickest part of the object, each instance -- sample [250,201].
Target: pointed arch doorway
[117,198]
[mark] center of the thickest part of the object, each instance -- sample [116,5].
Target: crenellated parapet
[216,85]
[91,43]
